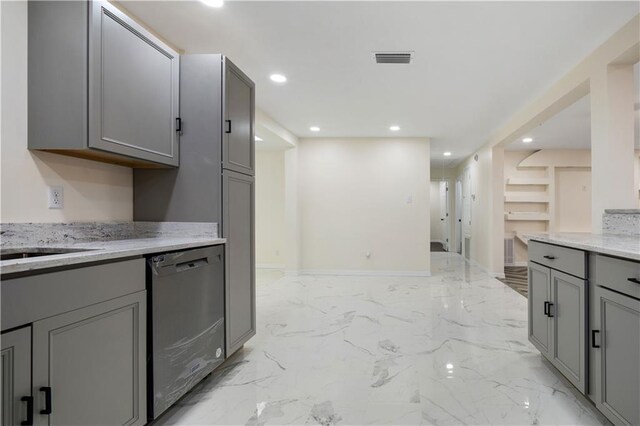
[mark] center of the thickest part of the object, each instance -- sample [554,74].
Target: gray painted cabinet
[16,376]
[239,104]
[615,353]
[558,310]
[101,86]
[215,181]
[539,296]
[238,227]
[89,365]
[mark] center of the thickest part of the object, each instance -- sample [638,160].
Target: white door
[458,216]
[444,213]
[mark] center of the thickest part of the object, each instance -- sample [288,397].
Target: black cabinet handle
[546,308]
[549,314]
[178,124]
[593,338]
[634,280]
[549,257]
[47,400]
[228,126]
[29,401]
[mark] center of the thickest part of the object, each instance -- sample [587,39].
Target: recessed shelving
[526,197]
[527,216]
[528,181]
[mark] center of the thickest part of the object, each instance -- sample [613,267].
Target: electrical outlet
[56,197]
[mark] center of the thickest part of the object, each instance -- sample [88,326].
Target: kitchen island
[584,315]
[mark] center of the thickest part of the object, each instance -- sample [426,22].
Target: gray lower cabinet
[615,355]
[539,297]
[238,192]
[101,86]
[89,365]
[558,321]
[568,314]
[17,401]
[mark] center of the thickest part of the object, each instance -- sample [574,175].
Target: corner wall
[92,191]
[359,196]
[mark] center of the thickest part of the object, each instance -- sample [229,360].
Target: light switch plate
[56,197]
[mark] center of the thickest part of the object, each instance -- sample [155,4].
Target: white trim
[291,272]
[438,241]
[365,273]
[521,263]
[485,270]
[269,266]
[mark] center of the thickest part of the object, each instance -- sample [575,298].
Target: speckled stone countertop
[99,241]
[625,246]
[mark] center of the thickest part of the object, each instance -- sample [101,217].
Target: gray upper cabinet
[101,86]
[615,351]
[89,365]
[238,148]
[17,401]
[238,227]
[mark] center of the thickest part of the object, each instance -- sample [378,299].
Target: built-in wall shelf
[526,216]
[526,197]
[528,181]
[524,240]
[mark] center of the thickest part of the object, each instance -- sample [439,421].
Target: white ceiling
[571,127]
[476,63]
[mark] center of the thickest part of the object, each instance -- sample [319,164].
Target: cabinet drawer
[35,297]
[564,259]
[616,274]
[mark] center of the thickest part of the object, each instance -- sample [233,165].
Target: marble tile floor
[448,349]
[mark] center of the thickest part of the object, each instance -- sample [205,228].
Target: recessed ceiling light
[527,140]
[314,128]
[394,128]
[213,3]
[258,139]
[278,78]
[447,154]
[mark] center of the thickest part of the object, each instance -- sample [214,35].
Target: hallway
[449,349]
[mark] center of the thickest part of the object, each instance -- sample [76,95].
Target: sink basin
[26,252]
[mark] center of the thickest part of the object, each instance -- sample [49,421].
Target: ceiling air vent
[393,57]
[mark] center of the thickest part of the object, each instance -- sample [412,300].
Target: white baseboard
[365,273]
[437,241]
[269,266]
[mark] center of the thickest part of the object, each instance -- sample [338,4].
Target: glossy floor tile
[449,349]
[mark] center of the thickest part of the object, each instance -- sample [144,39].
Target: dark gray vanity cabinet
[101,86]
[558,308]
[615,339]
[17,401]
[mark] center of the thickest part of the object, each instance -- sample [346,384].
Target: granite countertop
[100,241]
[625,246]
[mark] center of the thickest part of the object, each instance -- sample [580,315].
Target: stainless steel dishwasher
[186,322]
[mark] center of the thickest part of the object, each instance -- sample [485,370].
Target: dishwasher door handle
[192,264]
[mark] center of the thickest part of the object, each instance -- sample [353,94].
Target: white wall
[92,191]
[436,225]
[353,199]
[270,209]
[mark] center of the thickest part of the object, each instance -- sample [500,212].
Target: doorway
[458,217]
[440,233]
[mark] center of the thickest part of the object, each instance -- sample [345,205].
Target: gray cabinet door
[615,350]
[16,376]
[238,227]
[539,298]
[238,148]
[133,89]
[93,360]
[568,327]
